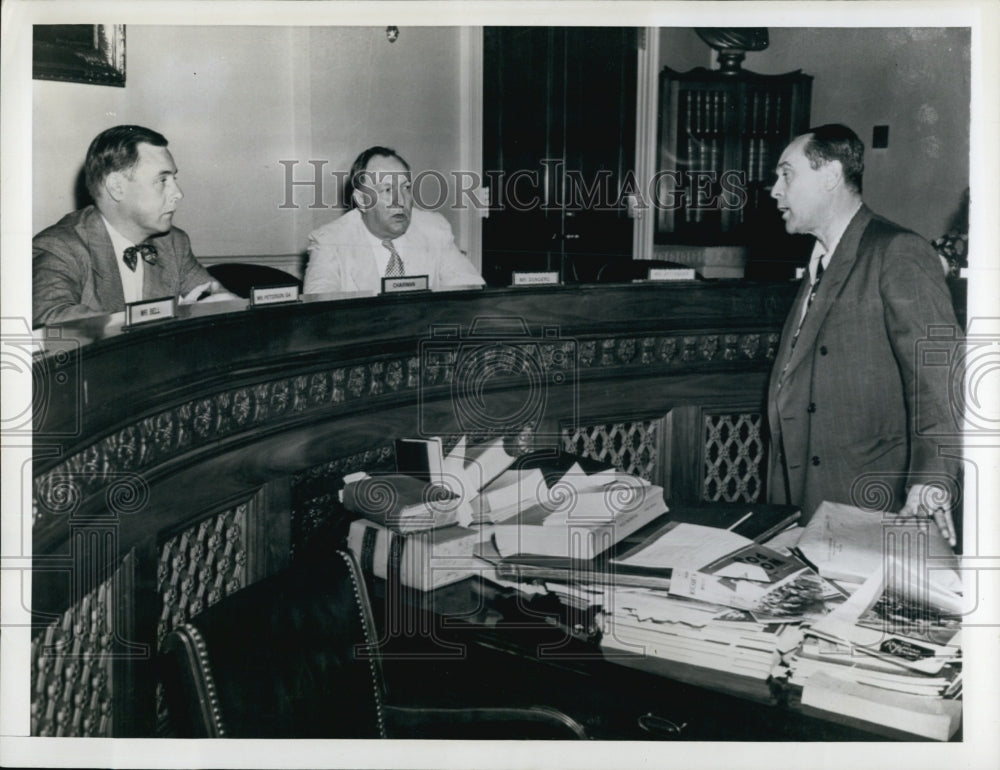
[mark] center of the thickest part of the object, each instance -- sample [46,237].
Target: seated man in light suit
[382,235]
[122,248]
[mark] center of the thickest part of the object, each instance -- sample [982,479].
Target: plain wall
[916,81]
[405,95]
[234,101]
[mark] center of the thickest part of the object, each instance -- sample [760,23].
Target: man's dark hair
[116,149]
[359,166]
[837,142]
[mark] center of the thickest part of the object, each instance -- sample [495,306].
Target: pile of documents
[659,625]
[858,613]
[423,523]
[888,654]
[419,525]
[732,605]
[580,516]
[892,651]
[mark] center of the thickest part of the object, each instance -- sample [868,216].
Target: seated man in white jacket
[383,236]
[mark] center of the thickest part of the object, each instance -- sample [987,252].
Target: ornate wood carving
[314,490]
[733,458]
[200,565]
[199,422]
[74,662]
[628,446]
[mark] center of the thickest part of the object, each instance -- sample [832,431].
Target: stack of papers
[889,652]
[580,516]
[887,622]
[733,620]
[849,544]
[657,625]
[689,546]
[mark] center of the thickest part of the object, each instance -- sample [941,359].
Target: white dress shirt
[819,253]
[344,256]
[131,279]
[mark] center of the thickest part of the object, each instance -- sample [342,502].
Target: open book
[508,494]
[465,470]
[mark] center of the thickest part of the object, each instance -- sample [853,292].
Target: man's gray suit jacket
[866,405]
[74,273]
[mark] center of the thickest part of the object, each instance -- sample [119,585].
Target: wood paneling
[155,431]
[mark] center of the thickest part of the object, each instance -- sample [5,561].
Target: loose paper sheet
[691,546]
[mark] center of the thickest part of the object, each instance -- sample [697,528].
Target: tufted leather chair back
[290,656]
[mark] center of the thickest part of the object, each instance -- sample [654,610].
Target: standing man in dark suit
[856,413]
[123,248]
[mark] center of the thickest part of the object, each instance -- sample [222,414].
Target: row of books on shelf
[706,111]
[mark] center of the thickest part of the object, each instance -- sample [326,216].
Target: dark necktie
[145,250]
[395,268]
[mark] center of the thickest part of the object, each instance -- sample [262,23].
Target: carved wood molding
[734,456]
[113,463]
[77,675]
[314,490]
[628,445]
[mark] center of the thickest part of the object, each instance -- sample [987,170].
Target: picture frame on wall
[79,53]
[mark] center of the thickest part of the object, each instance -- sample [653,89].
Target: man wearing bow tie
[123,248]
[862,395]
[383,235]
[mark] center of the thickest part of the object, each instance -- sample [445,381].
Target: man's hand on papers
[932,502]
[210,291]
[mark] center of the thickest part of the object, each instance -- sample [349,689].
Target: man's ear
[833,174]
[114,185]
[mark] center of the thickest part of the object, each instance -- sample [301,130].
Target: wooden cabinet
[720,136]
[558,141]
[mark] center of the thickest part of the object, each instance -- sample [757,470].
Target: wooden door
[559,142]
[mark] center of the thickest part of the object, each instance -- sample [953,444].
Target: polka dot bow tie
[145,250]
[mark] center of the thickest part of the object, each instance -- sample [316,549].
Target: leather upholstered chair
[294,656]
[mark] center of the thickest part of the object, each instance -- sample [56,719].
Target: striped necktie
[395,268]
